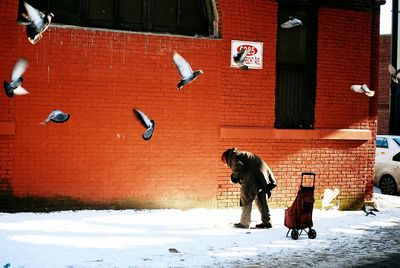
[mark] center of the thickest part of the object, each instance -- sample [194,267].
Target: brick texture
[99,76]
[385,48]
[342,61]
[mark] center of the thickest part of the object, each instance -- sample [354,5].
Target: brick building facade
[98,159]
[385,49]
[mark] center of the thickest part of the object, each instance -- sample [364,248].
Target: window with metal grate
[184,17]
[296,67]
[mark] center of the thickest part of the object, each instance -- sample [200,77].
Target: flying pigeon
[14,87]
[239,58]
[146,122]
[363,89]
[369,210]
[56,116]
[185,70]
[39,22]
[395,74]
[292,22]
[328,196]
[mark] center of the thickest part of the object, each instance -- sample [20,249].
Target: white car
[387,164]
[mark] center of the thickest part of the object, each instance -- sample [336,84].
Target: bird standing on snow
[395,74]
[174,250]
[363,89]
[146,122]
[239,58]
[14,87]
[39,22]
[292,22]
[369,210]
[56,116]
[185,70]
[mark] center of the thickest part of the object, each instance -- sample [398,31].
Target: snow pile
[385,201]
[186,238]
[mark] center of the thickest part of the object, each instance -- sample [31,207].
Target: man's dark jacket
[250,171]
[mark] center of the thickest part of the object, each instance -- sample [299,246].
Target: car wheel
[388,185]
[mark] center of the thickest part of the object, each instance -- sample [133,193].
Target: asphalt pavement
[377,247]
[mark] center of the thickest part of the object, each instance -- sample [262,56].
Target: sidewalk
[202,237]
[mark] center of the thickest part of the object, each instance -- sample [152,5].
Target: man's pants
[246,203]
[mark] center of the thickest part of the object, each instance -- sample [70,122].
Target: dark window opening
[186,17]
[296,68]
[396,157]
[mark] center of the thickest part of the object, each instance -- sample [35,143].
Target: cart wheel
[295,234]
[312,234]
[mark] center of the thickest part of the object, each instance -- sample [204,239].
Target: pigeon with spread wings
[363,89]
[39,22]
[56,116]
[395,74]
[327,198]
[14,87]
[292,22]
[146,122]
[239,59]
[185,70]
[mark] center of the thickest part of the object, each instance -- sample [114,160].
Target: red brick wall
[247,98]
[342,61]
[385,49]
[7,107]
[289,159]
[99,76]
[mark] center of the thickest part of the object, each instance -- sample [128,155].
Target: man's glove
[269,188]
[264,192]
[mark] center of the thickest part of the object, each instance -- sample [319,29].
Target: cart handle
[308,174]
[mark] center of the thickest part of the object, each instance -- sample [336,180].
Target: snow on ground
[202,237]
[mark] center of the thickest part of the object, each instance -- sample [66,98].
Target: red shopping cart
[298,217]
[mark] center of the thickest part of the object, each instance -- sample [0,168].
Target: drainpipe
[394,118]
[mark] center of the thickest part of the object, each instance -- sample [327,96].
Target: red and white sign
[254,58]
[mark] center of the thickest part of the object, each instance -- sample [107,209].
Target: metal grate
[295,97]
[162,16]
[296,68]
